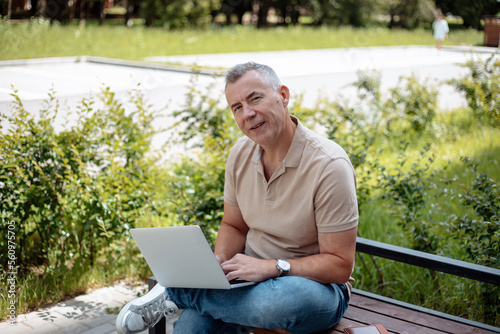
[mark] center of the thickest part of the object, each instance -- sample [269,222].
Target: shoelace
[152,313]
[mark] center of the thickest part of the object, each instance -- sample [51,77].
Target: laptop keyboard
[237,281]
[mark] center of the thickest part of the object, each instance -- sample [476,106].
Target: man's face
[259,110]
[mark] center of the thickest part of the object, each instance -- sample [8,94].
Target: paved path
[93,313]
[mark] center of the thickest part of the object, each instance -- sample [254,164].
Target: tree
[236,7]
[409,13]
[342,12]
[9,10]
[470,11]
[176,14]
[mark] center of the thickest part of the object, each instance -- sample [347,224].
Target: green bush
[481,88]
[178,14]
[407,187]
[414,103]
[198,181]
[479,234]
[71,193]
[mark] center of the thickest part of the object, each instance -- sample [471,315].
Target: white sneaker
[144,312]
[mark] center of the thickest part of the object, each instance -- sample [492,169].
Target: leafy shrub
[198,191]
[414,102]
[178,14]
[203,121]
[481,88]
[479,234]
[407,186]
[198,181]
[71,193]
[411,102]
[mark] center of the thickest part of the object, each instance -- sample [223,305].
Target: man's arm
[333,264]
[335,261]
[232,234]
[230,245]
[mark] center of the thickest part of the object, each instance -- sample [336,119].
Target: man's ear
[285,95]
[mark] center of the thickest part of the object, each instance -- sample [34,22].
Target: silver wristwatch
[283,266]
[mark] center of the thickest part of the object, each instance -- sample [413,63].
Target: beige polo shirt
[314,190]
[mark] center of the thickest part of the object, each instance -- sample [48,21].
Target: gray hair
[268,75]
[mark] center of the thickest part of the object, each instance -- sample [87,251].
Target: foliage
[479,233]
[342,12]
[356,13]
[198,182]
[198,191]
[470,11]
[409,14]
[413,102]
[203,119]
[481,88]
[407,189]
[72,193]
[177,14]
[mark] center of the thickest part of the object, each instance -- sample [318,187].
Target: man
[290,223]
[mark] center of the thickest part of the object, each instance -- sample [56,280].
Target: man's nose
[248,112]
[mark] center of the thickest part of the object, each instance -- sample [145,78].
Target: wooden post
[160,327]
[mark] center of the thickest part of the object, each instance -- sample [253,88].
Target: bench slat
[391,324]
[410,316]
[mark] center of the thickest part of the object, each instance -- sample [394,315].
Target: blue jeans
[296,304]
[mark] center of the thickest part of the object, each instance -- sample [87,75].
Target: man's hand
[220,259]
[249,269]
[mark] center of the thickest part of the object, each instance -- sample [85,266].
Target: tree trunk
[83,6]
[34,7]
[9,10]
[102,4]
[262,19]
[72,9]
[128,13]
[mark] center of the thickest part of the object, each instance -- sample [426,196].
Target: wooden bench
[398,317]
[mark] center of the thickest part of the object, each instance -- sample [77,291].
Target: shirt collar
[297,147]
[294,153]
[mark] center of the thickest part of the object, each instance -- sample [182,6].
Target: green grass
[38,39]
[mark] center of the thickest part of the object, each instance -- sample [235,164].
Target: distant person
[441,30]
[290,223]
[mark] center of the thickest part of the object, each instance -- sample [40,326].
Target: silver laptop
[180,257]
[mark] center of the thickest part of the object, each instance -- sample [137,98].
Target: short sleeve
[229,190]
[335,202]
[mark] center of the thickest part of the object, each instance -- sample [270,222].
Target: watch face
[284,265]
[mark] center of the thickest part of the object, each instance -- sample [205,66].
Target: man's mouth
[257,126]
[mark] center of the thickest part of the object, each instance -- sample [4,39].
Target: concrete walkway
[92,313]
